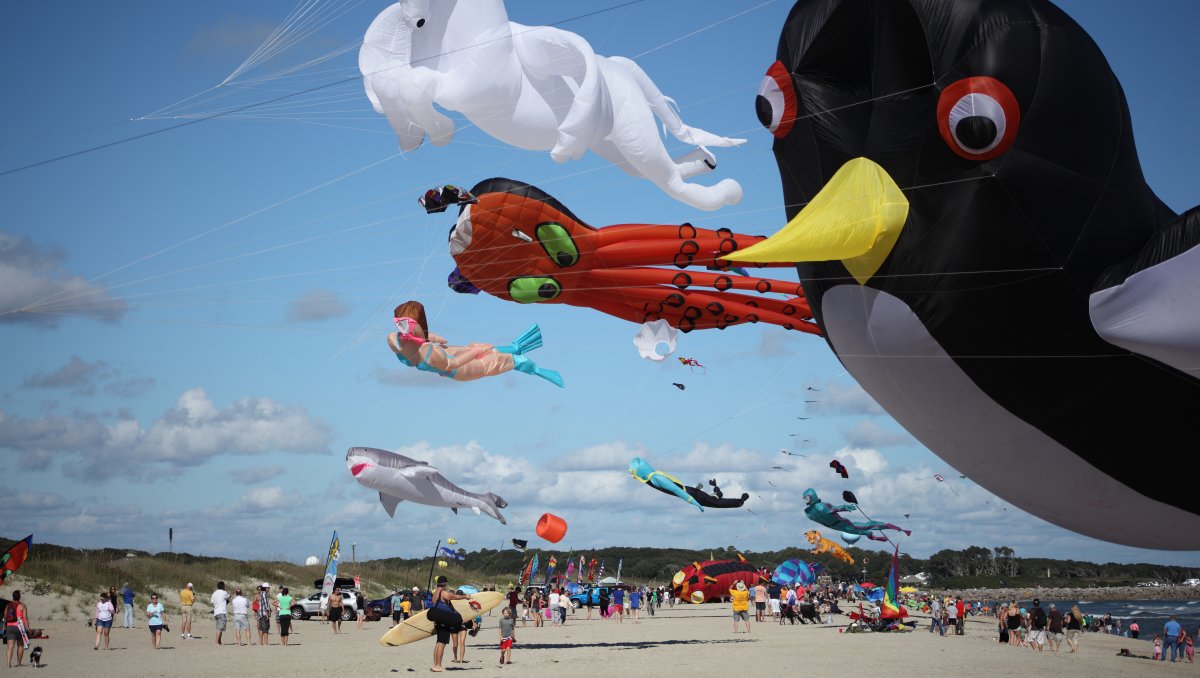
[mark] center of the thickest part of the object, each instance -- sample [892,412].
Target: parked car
[591,593]
[304,608]
[1191,582]
[378,609]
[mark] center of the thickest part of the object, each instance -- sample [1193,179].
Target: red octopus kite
[520,244]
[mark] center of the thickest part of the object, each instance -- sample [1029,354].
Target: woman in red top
[16,621]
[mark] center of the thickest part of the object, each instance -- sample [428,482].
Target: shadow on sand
[630,645]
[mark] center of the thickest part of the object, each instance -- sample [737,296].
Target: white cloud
[839,398]
[316,306]
[263,499]
[866,462]
[35,289]
[191,433]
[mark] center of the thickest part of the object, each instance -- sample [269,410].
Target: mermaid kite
[826,514]
[669,484]
[415,346]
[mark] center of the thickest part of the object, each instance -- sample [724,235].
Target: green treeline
[975,566]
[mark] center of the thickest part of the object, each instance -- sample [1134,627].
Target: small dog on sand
[35,657]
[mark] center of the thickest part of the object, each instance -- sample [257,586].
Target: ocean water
[1149,614]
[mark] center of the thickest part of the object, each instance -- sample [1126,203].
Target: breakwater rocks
[1082,593]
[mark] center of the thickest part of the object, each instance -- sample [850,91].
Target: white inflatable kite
[534,87]
[655,340]
[398,478]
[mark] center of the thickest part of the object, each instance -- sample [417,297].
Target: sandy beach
[686,640]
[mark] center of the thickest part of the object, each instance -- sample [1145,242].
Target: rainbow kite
[12,559]
[891,608]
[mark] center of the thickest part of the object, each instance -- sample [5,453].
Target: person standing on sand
[360,607]
[220,599]
[740,599]
[283,607]
[448,621]
[618,604]
[187,601]
[1075,626]
[514,599]
[961,608]
[104,619]
[1013,619]
[263,598]
[1056,628]
[1037,626]
[156,619]
[241,618]
[397,603]
[115,599]
[935,616]
[1171,632]
[127,599]
[335,611]
[552,606]
[16,615]
[508,635]
[635,604]
[604,601]
[760,601]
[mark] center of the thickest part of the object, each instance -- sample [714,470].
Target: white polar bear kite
[534,87]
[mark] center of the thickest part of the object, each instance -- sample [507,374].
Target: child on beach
[1188,649]
[1157,646]
[508,635]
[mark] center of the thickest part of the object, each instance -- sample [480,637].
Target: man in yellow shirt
[741,604]
[187,598]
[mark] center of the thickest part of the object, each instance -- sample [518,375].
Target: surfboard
[420,627]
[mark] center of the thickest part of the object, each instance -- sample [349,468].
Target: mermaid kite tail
[523,364]
[529,341]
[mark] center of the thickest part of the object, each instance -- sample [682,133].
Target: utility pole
[354,553]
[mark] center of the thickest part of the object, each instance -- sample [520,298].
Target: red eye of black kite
[978,117]
[776,101]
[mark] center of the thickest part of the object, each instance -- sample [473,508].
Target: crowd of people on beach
[245,614]
[1035,627]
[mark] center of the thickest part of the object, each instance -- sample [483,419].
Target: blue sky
[222,292]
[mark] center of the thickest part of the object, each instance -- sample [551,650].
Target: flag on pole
[451,553]
[331,563]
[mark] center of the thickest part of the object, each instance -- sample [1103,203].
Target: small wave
[1086,602]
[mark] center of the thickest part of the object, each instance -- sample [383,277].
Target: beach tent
[609,581]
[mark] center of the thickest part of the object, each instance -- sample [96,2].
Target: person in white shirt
[104,619]
[220,598]
[241,617]
[553,607]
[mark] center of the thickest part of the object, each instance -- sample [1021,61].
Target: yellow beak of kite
[856,218]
